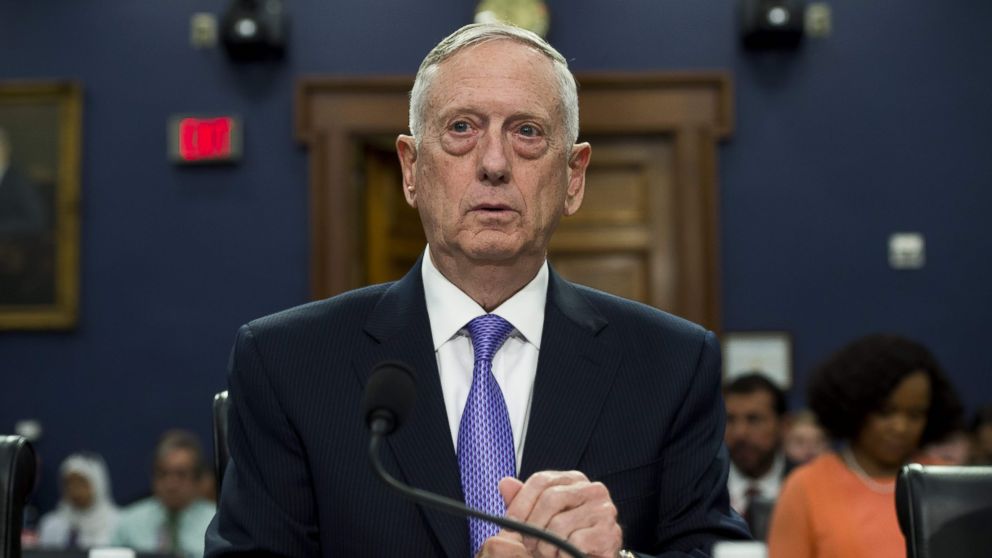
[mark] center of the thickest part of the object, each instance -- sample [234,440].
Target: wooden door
[647,227]
[621,240]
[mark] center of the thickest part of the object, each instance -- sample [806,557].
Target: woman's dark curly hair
[859,378]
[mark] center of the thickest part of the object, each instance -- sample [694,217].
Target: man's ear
[406,149]
[578,161]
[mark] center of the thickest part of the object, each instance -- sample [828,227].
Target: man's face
[174,479]
[754,431]
[493,174]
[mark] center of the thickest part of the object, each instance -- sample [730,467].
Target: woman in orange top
[882,397]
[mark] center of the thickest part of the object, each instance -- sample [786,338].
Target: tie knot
[488,334]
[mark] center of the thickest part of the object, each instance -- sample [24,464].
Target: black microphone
[388,399]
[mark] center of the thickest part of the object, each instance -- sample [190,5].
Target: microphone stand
[380,427]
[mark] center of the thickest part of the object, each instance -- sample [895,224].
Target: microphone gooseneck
[389,398]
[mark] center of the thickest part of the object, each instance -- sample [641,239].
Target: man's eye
[460,127]
[529,131]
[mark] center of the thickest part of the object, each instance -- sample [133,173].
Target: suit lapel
[574,373]
[422,447]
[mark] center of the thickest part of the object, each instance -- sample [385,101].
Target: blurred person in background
[981,434]
[86,515]
[882,397]
[756,410]
[804,438]
[174,519]
[953,449]
[208,485]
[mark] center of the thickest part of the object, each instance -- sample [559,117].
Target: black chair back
[17,470]
[220,437]
[945,512]
[759,517]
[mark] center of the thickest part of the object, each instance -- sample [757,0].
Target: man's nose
[494,163]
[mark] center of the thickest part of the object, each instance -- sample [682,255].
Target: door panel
[621,240]
[648,226]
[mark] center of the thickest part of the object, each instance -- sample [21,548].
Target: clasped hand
[565,503]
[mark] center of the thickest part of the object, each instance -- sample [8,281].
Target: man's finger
[503,545]
[556,501]
[601,540]
[511,535]
[525,499]
[509,487]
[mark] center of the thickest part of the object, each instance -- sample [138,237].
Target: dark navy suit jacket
[625,393]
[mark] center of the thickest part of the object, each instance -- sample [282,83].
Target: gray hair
[477,33]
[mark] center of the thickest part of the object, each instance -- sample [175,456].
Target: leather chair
[220,437]
[17,470]
[945,512]
[759,517]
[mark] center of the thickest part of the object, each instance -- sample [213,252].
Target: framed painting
[40,130]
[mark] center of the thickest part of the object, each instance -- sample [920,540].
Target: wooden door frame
[333,114]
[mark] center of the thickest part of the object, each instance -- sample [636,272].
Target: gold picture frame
[40,135]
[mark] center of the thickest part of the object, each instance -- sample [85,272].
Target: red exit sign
[198,139]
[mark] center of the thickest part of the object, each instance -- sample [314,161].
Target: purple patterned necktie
[485,438]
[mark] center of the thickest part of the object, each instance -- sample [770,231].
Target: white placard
[727,549]
[111,552]
[769,352]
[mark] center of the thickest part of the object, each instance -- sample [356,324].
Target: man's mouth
[491,207]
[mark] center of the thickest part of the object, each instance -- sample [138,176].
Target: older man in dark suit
[597,418]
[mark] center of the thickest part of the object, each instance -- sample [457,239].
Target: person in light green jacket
[174,519]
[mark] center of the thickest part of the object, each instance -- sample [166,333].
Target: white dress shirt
[768,486]
[515,363]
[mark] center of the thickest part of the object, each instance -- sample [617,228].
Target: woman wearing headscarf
[86,515]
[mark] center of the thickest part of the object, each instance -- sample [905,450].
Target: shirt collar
[770,479]
[450,309]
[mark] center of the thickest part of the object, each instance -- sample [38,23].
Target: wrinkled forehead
[496,68]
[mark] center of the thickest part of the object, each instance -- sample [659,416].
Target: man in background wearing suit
[607,411]
[756,409]
[174,519]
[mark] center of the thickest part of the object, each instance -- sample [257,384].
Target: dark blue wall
[882,127]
